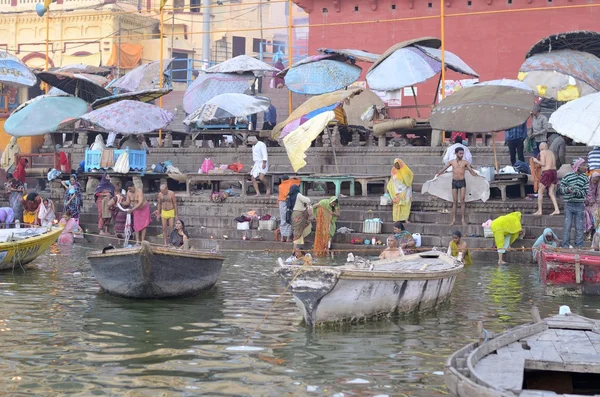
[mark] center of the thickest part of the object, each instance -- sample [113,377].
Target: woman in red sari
[20,174]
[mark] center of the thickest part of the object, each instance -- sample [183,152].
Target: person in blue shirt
[270,118]
[514,139]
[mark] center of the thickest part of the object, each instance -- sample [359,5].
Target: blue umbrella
[43,115]
[15,72]
[320,77]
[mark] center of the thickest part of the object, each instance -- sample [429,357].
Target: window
[279,46]
[430,5]
[469,3]
[238,46]
[325,11]
[393,6]
[179,67]
[195,5]
[355,8]
[256,45]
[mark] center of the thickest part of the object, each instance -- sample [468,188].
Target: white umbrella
[579,120]
[507,83]
[242,64]
[225,106]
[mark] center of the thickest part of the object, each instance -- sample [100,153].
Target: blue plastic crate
[137,159]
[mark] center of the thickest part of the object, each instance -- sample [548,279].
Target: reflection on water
[59,336]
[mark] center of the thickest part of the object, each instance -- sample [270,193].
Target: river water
[59,336]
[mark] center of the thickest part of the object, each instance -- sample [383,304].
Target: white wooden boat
[368,289]
[18,247]
[557,356]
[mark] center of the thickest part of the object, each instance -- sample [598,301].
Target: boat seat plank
[502,373]
[575,347]
[544,350]
[548,335]
[514,350]
[568,335]
[581,358]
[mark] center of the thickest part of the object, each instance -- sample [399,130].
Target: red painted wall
[494,45]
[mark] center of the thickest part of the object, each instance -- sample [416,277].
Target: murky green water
[59,337]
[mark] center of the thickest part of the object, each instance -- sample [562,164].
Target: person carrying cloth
[326,213]
[506,229]
[400,190]
[140,210]
[458,249]
[167,211]
[459,183]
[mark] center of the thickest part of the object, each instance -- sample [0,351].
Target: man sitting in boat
[392,251]
[458,249]
[179,236]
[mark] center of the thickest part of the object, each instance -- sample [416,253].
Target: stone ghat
[209,222]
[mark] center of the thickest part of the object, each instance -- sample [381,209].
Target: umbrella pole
[47,87]
[443,39]
[160,67]
[337,168]
[290,44]
[415,98]
[494,146]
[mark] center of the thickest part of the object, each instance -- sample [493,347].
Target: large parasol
[579,120]
[15,72]
[482,108]
[141,96]
[79,85]
[563,75]
[43,115]
[408,66]
[225,106]
[242,64]
[579,40]
[209,85]
[86,69]
[129,117]
[144,77]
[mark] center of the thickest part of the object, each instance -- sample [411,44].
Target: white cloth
[259,152]
[98,143]
[450,155]
[258,169]
[110,141]
[122,163]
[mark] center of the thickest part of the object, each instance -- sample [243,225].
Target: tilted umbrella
[97,79]
[579,120]
[144,77]
[411,65]
[86,69]
[43,115]
[78,85]
[242,64]
[563,75]
[129,117]
[141,96]
[356,55]
[15,72]
[321,77]
[208,85]
[225,106]
[481,108]
[578,40]
[312,104]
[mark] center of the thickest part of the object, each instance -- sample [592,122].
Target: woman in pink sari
[70,229]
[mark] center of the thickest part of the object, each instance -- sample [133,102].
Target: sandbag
[380,129]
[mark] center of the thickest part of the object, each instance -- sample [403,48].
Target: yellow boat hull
[22,251]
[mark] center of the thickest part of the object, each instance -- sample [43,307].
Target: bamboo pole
[290,44]
[47,87]
[494,146]
[443,39]
[160,67]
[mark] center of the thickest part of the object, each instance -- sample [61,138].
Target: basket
[487,232]
[271,224]
[372,226]
[243,226]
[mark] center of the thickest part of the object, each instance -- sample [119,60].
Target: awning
[91,60]
[131,54]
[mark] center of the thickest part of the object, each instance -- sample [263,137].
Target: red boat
[570,271]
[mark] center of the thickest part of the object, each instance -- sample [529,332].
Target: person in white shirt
[450,153]
[261,164]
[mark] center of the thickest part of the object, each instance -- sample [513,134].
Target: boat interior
[9,235]
[427,261]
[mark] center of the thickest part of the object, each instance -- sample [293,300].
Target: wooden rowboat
[18,247]
[149,272]
[557,356]
[570,271]
[369,289]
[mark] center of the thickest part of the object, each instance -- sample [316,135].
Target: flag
[162,4]
[47,3]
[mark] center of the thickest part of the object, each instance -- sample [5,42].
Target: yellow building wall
[27,144]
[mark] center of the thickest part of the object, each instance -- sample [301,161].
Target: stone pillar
[355,138]
[168,141]
[381,141]
[335,136]
[81,140]
[370,139]
[48,145]
[437,137]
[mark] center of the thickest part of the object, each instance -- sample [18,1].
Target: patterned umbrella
[579,120]
[142,96]
[43,115]
[242,64]
[15,72]
[225,106]
[86,69]
[144,77]
[320,77]
[81,85]
[209,85]
[129,117]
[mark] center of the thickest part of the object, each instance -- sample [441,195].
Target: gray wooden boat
[149,272]
[557,356]
[365,289]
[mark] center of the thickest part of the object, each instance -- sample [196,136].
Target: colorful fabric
[20,174]
[46,215]
[399,188]
[301,226]
[130,117]
[73,200]
[104,214]
[594,158]
[63,162]
[105,186]
[284,188]
[126,56]
[167,214]
[68,233]
[15,199]
[141,218]
[506,226]
[29,217]
[298,141]
[536,173]
[454,251]
[577,163]
[330,219]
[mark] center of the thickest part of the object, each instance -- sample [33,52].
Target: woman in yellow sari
[400,190]
[326,213]
[506,229]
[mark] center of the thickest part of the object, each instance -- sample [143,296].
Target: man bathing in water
[549,178]
[392,251]
[459,184]
[167,211]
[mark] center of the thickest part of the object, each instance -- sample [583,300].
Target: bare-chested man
[549,178]
[167,211]
[459,184]
[392,251]
[139,209]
